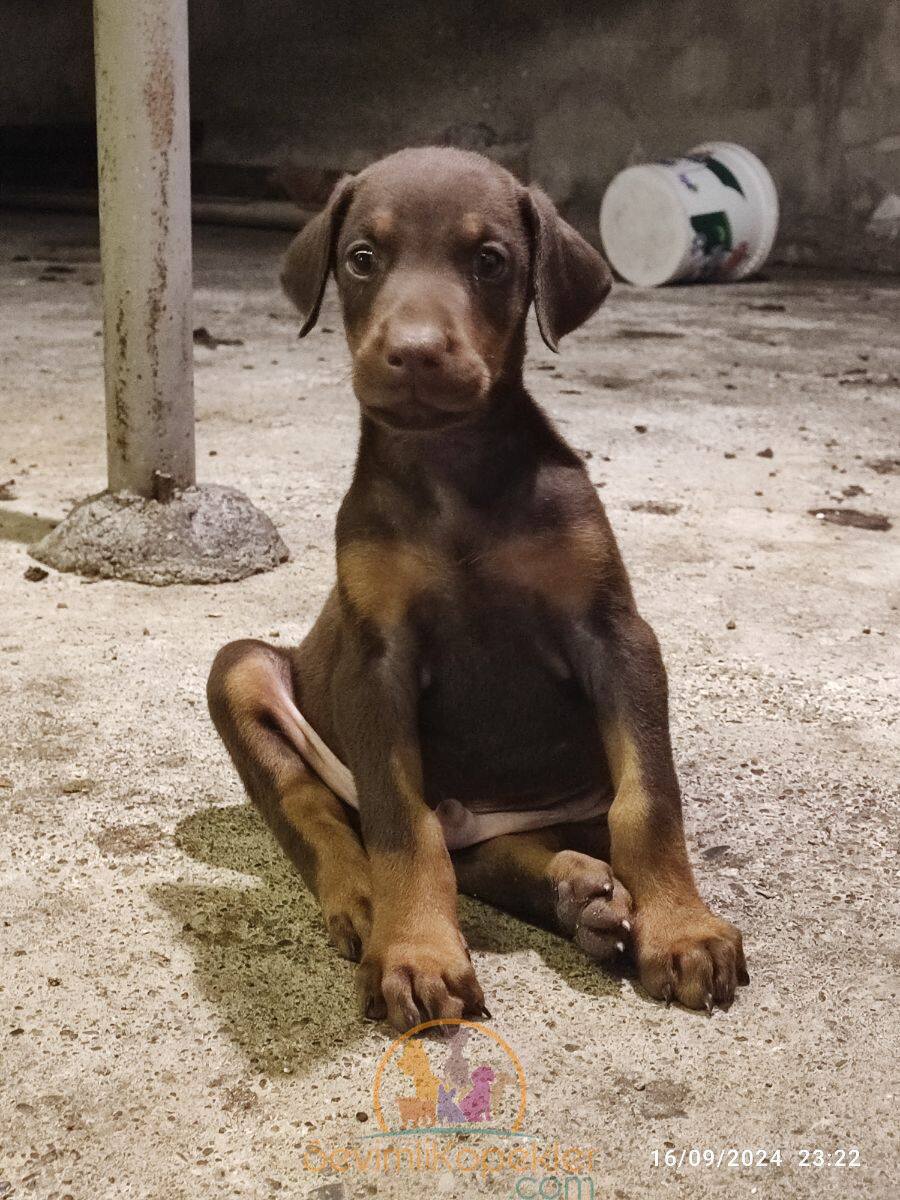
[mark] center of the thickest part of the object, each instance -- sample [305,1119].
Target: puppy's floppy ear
[309,257]
[569,278]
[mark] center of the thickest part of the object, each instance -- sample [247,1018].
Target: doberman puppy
[479,704]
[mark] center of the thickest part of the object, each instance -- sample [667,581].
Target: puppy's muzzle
[418,373]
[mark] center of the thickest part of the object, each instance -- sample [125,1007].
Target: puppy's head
[437,255]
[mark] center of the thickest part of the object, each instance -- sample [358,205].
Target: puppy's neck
[480,458]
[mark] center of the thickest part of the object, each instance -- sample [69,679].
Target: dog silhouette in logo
[420,1109]
[449,1112]
[476,1104]
[502,1081]
[415,1112]
[456,1068]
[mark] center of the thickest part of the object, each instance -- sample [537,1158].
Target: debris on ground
[202,337]
[663,508]
[35,574]
[7,491]
[640,334]
[884,466]
[862,377]
[75,787]
[614,383]
[55,273]
[120,840]
[853,517]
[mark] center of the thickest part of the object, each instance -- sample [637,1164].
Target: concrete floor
[174,1023]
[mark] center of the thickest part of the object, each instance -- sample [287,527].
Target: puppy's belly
[503,726]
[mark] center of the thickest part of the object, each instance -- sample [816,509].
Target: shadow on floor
[262,958]
[23,527]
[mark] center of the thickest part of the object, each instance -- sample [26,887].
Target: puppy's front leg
[683,951]
[416,966]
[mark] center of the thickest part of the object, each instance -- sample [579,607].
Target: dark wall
[566,94]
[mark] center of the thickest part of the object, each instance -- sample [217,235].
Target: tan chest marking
[381,579]
[565,567]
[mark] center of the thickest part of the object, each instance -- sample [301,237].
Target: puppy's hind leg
[553,877]
[252,702]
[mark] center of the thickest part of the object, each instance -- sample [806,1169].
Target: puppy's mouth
[419,402]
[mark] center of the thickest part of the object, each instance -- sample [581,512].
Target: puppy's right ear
[309,258]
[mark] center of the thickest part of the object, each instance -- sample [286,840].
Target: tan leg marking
[417,966]
[683,951]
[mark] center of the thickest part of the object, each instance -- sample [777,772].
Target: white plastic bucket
[712,214]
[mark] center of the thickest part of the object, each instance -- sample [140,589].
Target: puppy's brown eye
[490,263]
[361,261]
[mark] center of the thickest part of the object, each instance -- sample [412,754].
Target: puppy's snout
[417,365]
[417,349]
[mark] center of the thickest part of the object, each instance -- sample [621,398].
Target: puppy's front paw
[419,977]
[592,906]
[685,953]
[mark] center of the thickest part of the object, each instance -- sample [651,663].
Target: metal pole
[141,51]
[200,534]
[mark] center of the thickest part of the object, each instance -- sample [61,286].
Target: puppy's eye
[490,263]
[361,261]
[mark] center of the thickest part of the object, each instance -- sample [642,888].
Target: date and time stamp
[748,1157]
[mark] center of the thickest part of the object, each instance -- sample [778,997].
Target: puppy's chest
[501,713]
[501,710]
[557,570]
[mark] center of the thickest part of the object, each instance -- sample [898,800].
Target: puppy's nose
[416,348]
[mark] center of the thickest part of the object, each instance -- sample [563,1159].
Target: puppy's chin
[415,419]
[412,406]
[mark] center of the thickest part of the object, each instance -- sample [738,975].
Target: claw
[620,946]
[668,994]
[626,925]
[709,1004]
[485,1012]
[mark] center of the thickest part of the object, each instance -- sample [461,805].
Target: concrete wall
[566,94]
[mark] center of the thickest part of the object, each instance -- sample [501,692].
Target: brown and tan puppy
[479,685]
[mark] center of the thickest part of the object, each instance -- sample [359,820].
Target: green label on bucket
[721,172]
[713,230]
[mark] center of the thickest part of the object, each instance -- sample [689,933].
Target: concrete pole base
[208,534]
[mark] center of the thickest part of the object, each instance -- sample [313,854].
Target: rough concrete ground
[174,1023]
